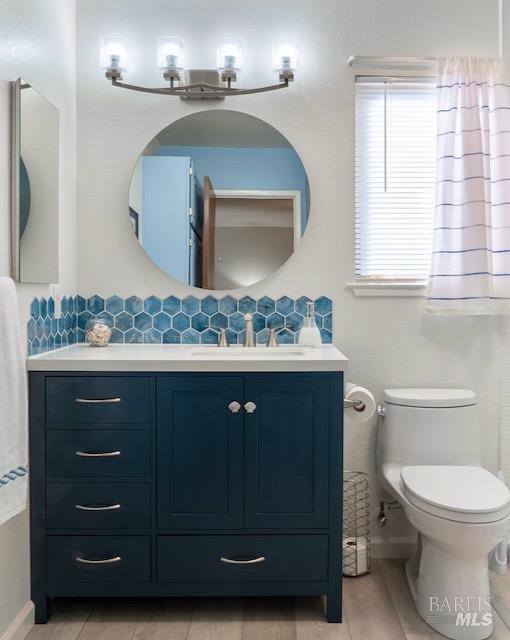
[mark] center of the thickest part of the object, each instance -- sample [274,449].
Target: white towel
[13,407]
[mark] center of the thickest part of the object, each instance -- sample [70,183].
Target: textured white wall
[389,340]
[37,43]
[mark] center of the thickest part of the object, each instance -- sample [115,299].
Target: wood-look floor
[376,607]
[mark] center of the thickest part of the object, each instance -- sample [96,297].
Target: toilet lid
[463,493]
[432,398]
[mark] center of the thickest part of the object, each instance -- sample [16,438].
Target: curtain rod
[389,60]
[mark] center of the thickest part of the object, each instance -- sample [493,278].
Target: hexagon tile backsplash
[177,321]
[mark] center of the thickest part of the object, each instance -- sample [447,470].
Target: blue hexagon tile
[45,332]
[172,320]
[192,320]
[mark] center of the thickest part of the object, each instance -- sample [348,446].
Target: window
[395,177]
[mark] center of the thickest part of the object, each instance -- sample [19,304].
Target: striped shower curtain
[470,267]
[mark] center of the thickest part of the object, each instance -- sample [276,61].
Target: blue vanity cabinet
[199,453]
[286,445]
[193,484]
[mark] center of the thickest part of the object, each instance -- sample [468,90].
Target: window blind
[395,177]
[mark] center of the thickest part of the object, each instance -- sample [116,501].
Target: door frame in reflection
[257,194]
[211,277]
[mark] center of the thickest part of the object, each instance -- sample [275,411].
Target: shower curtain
[470,266]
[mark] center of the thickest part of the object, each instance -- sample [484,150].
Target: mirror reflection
[219,200]
[35,164]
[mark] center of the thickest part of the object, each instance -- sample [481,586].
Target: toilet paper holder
[357,405]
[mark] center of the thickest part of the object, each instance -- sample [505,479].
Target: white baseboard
[21,625]
[392,547]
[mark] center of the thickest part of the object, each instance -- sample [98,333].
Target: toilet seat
[458,493]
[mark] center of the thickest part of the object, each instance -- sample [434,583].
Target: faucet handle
[272,340]
[222,335]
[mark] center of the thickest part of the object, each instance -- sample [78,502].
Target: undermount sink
[248,352]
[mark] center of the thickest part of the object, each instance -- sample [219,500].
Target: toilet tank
[429,426]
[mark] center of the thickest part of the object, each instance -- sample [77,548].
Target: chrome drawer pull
[100,454]
[106,507]
[251,561]
[98,400]
[105,561]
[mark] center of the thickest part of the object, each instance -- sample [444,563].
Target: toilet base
[451,592]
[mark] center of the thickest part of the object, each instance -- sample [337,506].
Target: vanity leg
[334,606]
[42,609]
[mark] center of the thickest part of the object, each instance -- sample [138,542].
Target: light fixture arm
[198,90]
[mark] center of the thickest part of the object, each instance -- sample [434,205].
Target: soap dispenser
[309,334]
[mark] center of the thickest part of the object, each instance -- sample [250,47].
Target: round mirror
[219,200]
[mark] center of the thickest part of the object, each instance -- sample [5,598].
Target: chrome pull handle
[98,400]
[99,454]
[234,406]
[243,561]
[104,561]
[105,507]
[250,407]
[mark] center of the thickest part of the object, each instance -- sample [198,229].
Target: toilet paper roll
[369,407]
[355,556]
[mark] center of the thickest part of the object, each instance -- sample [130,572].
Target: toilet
[428,458]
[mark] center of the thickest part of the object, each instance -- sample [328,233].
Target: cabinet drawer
[242,558]
[91,452]
[98,506]
[97,400]
[98,559]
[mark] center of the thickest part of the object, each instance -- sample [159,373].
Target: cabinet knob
[234,406]
[250,407]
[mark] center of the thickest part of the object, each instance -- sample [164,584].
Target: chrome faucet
[249,340]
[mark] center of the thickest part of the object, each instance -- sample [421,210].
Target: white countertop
[193,358]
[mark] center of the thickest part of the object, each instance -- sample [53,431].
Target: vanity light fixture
[170,58]
[229,60]
[285,58]
[196,84]
[114,56]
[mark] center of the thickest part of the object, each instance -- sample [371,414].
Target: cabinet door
[199,453]
[286,451]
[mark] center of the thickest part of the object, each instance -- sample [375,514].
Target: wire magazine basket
[356,533]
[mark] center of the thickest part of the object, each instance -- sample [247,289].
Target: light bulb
[170,54]
[114,54]
[229,56]
[285,57]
